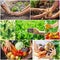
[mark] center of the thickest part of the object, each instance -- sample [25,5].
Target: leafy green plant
[19,6]
[22,26]
[57,46]
[34,3]
[15,8]
[7,29]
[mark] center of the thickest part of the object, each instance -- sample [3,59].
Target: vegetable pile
[16,52]
[45,51]
[53,35]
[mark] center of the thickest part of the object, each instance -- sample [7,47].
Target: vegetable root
[54,15]
[38,16]
[47,13]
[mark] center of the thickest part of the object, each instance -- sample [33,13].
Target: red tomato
[47,37]
[20,53]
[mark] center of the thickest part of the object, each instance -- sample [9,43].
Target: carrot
[13,47]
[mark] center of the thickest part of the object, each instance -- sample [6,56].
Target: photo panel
[15,9]
[32,29]
[15,50]
[52,29]
[46,49]
[7,29]
[45,9]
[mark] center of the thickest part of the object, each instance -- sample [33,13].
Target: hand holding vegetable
[36,31]
[48,26]
[45,51]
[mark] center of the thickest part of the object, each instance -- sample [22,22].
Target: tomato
[53,35]
[14,53]
[20,53]
[47,37]
[50,35]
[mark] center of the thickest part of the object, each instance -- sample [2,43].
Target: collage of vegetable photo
[29,30]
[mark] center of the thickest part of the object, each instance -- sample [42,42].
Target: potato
[12,57]
[9,54]
[16,57]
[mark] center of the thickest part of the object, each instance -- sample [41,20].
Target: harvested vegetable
[46,50]
[9,54]
[46,9]
[19,45]
[52,35]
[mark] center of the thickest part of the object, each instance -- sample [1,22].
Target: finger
[35,47]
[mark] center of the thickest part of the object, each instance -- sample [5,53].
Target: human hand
[8,44]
